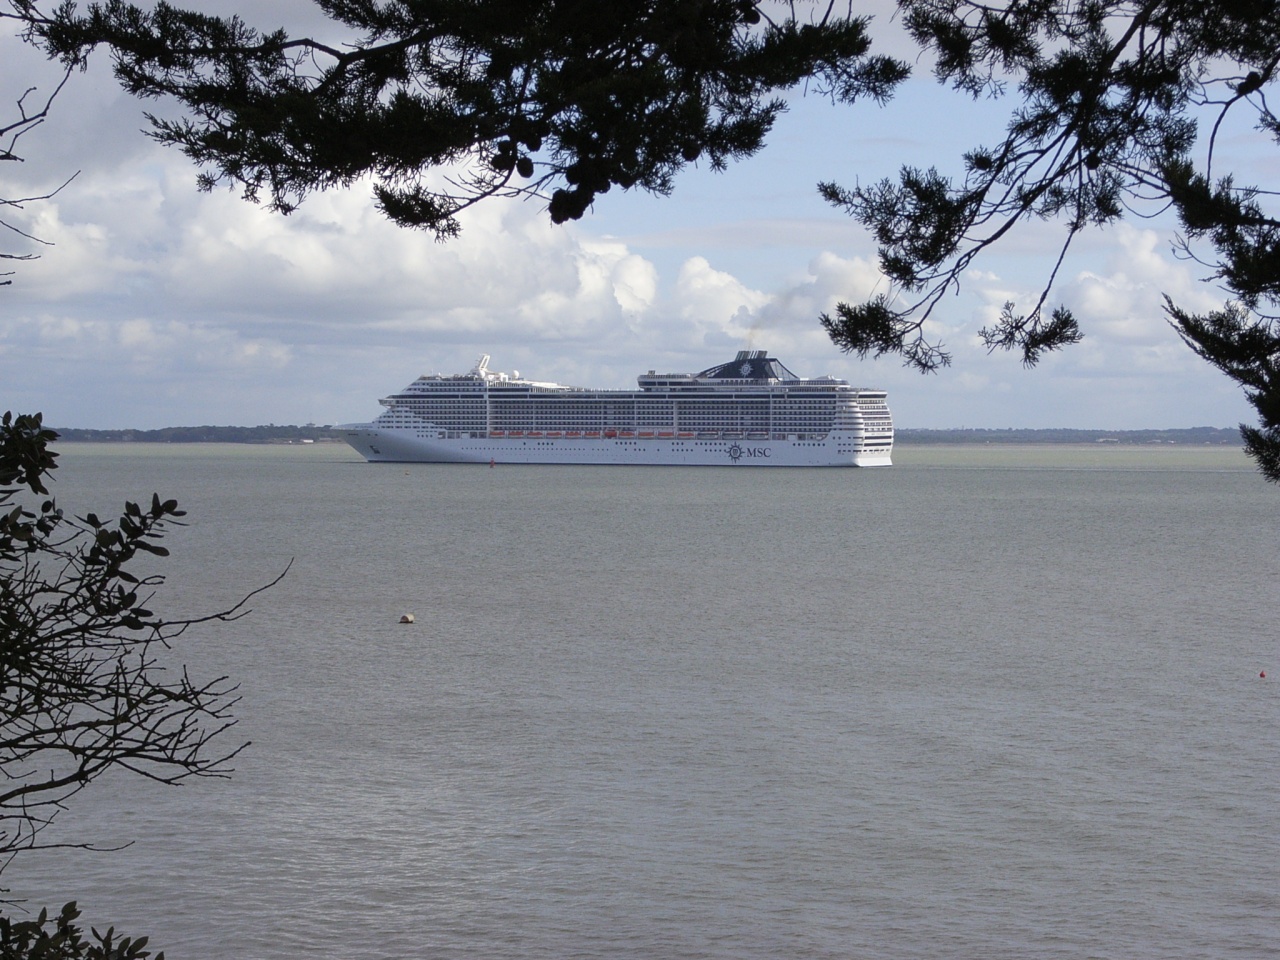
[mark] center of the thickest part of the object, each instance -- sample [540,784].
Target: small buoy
[407,618]
[1263,674]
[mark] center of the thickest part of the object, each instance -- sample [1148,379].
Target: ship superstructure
[749,411]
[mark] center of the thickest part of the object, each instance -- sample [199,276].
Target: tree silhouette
[26,117]
[86,685]
[1109,102]
[451,102]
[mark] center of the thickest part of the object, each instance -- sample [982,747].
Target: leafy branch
[84,683]
[1110,98]
[447,104]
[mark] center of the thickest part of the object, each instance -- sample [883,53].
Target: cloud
[635,282]
[1116,293]
[138,344]
[1125,303]
[336,261]
[713,303]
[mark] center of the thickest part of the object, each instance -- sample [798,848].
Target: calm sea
[988,703]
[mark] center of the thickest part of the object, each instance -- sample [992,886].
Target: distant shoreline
[273,433]
[1191,436]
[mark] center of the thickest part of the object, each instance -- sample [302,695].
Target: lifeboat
[627,433]
[552,433]
[683,435]
[666,433]
[572,434]
[534,433]
[645,433]
[611,434]
[515,433]
[496,433]
[592,434]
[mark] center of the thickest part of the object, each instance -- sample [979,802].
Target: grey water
[989,702]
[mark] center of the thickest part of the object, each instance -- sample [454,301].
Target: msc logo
[737,452]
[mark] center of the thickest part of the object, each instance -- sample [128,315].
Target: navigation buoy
[407,618]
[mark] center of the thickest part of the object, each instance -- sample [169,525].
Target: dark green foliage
[60,938]
[1247,349]
[1033,336]
[25,457]
[1108,100]
[447,102]
[83,689]
[875,328]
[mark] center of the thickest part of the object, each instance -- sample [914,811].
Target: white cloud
[714,304]
[137,342]
[1125,303]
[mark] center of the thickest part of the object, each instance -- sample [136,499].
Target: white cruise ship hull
[751,411]
[401,446]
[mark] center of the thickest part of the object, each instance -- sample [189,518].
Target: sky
[155,305]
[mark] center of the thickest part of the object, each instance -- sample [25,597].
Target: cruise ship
[751,411]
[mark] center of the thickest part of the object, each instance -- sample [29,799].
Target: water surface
[991,702]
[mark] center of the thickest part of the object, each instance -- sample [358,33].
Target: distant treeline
[1191,435]
[273,433]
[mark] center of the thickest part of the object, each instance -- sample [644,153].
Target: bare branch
[85,680]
